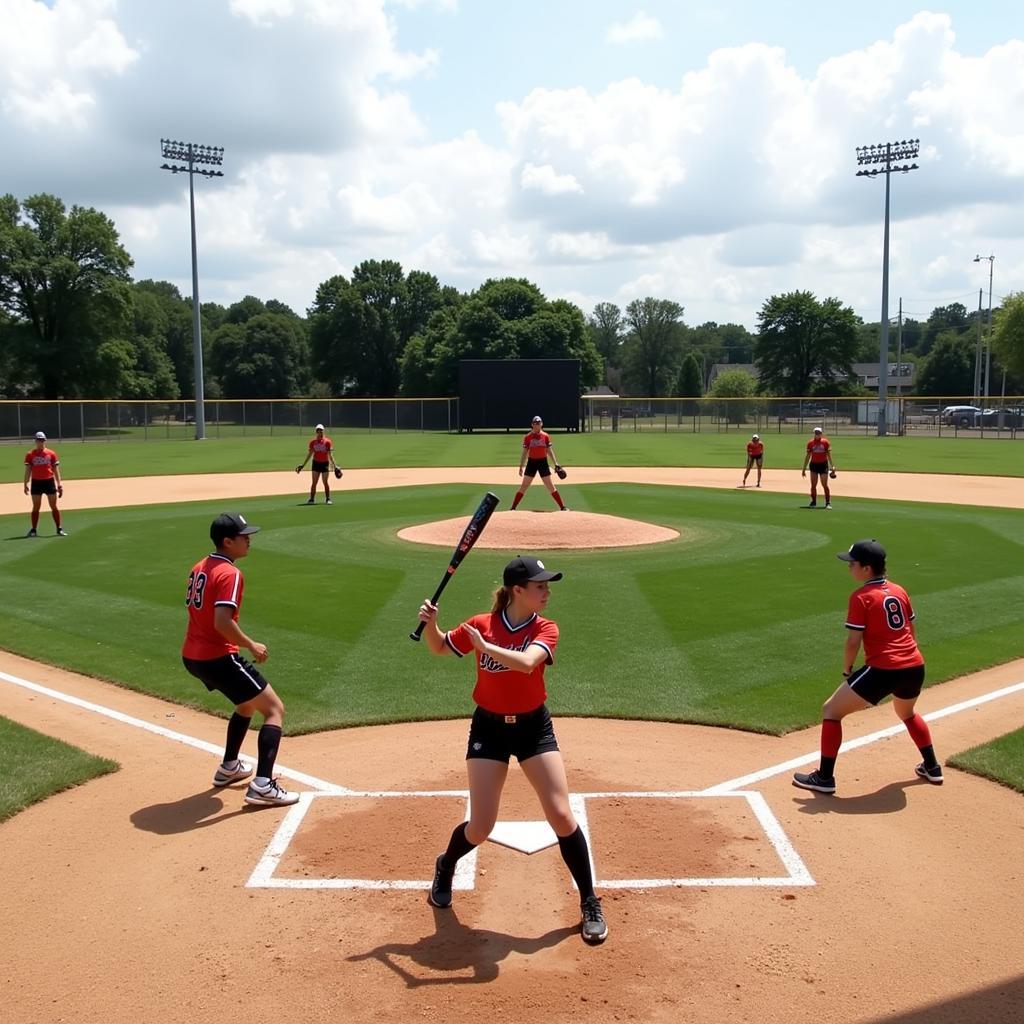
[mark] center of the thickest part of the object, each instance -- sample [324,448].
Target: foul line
[178,737]
[862,741]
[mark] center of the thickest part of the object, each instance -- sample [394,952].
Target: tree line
[74,324]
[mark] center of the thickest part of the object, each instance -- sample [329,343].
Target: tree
[504,319]
[949,368]
[653,351]
[606,329]
[733,384]
[1008,334]
[800,338]
[266,357]
[943,318]
[64,275]
[690,383]
[359,329]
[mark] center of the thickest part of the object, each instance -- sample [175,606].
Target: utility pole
[193,154]
[988,343]
[977,358]
[885,154]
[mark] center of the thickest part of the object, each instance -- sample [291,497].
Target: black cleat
[816,781]
[593,928]
[932,775]
[441,887]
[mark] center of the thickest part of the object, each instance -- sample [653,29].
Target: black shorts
[321,467]
[875,684]
[751,459]
[819,467]
[44,486]
[494,738]
[535,466]
[232,675]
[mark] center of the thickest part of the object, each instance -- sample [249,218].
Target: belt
[522,716]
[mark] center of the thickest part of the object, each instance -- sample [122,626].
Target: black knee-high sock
[238,726]
[267,742]
[576,855]
[458,846]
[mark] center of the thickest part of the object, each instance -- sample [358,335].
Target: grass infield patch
[35,766]
[738,623]
[1002,760]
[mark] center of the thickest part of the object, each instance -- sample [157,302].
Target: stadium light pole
[192,155]
[888,156]
[988,342]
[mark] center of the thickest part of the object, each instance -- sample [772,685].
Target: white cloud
[544,178]
[639,28]
[718,189]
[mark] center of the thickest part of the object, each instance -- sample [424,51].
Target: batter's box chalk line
[529,837]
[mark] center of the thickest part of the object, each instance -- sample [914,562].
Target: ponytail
[502,599]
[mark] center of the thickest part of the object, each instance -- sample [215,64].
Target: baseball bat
[469,537]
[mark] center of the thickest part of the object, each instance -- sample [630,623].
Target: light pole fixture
[988,343]
[194,155]
[888,156]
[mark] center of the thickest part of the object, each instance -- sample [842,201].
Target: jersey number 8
[196,586]
[894,613]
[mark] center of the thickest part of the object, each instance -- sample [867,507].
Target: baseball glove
[560,473]
[298,469]
[833,474]
[337,472]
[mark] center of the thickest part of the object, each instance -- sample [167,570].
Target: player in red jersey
[321,451]
[755,454]
[534,457]
[512,644]
[42,476]
[210,653]
[819,456]
[880,615]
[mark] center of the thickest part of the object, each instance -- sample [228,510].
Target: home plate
[524,836]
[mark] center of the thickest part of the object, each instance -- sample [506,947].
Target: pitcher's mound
[536,531]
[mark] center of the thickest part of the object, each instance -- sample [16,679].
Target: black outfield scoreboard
[505,394]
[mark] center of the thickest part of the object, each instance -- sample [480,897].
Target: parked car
[959,415]
[1005,418]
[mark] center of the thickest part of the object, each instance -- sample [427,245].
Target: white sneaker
[271,795]
[224,775]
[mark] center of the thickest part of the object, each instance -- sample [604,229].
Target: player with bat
[511,645]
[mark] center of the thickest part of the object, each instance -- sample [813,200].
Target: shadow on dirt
[199,810]
[457,955]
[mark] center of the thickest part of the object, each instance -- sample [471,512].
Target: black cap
[867,552]
[527,569]
[230,524]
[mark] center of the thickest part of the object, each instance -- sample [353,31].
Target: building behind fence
[116,420]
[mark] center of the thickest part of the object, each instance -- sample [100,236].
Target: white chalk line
[861,741]
[178,737]
[263,875]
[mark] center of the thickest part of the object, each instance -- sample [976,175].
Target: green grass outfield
[36,766]
[958,455]
[738,623]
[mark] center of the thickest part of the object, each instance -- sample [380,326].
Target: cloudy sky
[702,151]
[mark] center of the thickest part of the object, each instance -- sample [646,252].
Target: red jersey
[755,449]
[42,461]
[499,689]
[320,447]
[881,610]
[214,581]
[818,448]
[537,445]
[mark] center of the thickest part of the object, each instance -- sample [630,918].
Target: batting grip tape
[469,537]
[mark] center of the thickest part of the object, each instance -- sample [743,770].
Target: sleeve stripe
[451,646]
[543,645]
[851,625]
